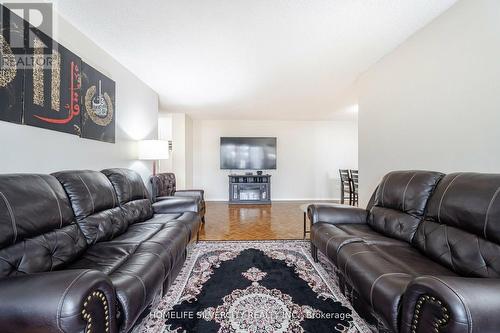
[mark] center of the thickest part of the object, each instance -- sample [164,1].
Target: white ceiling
[250,59]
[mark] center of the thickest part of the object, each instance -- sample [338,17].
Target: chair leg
[314,252]
[198,235]
[304,225]
[203,219]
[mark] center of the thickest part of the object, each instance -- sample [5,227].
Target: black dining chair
[345,186]
[354,186]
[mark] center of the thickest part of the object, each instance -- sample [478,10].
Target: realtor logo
[25,25]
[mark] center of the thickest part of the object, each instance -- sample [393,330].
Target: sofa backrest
[400,202]
[38,232]
[462,226]
[131,193]
[163,185]
[94,204]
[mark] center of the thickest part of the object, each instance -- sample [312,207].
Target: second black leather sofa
[425,254]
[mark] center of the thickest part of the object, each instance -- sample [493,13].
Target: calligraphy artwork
[98,117]
[11,75]
[48,86]
[53,85]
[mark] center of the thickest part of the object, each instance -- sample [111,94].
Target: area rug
[252,287]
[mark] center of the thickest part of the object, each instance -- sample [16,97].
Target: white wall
[309,156]
[165,133]
[30,149]
[178,127]
[434,103]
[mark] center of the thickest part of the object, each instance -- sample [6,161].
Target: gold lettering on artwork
[38,60]
[98,106]
[8,69]
[55,91]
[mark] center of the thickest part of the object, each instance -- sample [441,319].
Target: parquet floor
[281,220]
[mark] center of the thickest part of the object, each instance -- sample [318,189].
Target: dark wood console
[250,189]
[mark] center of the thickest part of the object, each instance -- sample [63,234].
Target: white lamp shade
[153,150]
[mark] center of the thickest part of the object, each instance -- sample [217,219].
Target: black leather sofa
[423,257]
[164,188]
[85,251]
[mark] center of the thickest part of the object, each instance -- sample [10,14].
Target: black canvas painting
[52,90]
[11,75]
[98,100]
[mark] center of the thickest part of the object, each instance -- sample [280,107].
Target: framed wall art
[11,74]
[98,100]
[52,90]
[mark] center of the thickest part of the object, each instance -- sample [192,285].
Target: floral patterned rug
[253,287]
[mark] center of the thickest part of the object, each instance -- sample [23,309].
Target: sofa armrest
[169,205]
[191,193]
[451,304]
[61,301]
[336,214]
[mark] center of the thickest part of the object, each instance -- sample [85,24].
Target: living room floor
[281,220]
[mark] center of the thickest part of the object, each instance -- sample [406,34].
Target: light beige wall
[434,103]
[309,156]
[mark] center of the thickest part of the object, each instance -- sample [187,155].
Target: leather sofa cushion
[169,244]
[89,191]
[31,205]
[131,193]
[138,233]
[381,274]
[394,223]
[105,256]
[47,252]
[463,252]
[400,202]
[189,221]
[462,226]
[138,263]
[94,203]
[128,184]
[38,232]
[330,238]
[470,202]
[137,282]
[407,191]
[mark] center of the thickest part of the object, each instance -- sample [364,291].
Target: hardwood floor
[281,220]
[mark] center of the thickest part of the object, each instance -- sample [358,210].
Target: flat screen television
[247,153]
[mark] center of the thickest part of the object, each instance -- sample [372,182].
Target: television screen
[247,153]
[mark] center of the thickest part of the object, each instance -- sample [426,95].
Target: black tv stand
[250,189]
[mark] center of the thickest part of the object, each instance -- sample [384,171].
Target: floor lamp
[153,150]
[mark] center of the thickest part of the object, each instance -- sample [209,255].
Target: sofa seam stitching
[90,194]
[12,217]
[444,194]
[61,300]
[404,192]
[57,200]
[383,188]
[461,300]
[486,219]
[375,282]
